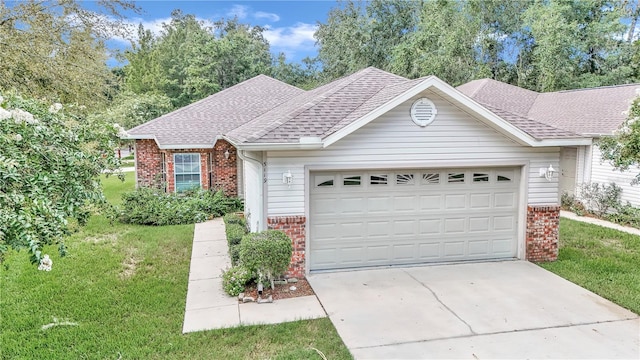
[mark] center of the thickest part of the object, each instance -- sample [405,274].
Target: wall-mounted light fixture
[547,173]
[227,154]
[287,178]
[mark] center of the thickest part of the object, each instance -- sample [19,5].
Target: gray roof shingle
[594,111]
[264,110]
[314,113]
[201,123]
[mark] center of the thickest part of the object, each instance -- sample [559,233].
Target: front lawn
[604,261]
[120,294]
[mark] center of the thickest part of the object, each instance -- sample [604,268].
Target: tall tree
[191,59]
[623,149]
[55,49]
[444,44]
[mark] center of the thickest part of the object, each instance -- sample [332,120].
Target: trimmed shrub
[234,219]
[234,254]
[599,198]
[235,279]
[267,253]
[148,206]
[235,232]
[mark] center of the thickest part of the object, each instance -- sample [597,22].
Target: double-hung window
[186,171]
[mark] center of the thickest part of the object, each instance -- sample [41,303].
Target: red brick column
[294,227]
[148,162]
[225,171]
[543,223]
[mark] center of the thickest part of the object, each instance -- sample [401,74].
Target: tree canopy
[540,45]
[55,49]
[623,149]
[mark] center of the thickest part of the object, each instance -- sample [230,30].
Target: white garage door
[377,217]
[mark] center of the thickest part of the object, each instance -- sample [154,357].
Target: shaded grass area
[604,261]
[125,287]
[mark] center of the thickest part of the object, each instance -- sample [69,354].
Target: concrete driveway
[511,309]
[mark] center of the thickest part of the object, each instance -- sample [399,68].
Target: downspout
[245,157]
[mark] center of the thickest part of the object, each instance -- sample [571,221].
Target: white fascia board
[140,137]
[273,146]
[184,147]
[563,142]
[492,119]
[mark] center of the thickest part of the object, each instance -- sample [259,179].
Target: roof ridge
[592,88]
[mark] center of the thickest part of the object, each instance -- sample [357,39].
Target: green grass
[604,261]
[125,286]
[114,187]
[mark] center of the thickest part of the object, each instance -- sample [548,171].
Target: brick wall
[223,176]
[543,223]
[294,227]
[148,162]
[225,171]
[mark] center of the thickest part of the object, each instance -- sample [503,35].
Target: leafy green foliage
[626,214]
[232,218]
[148,206]
[190,60]
[55,49]
[129,109]
[235,232]
[50,163]
[539,45]
[599,198]
[266,253]
[235,279]
[623,149]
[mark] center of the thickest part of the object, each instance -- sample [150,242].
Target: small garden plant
[602,201]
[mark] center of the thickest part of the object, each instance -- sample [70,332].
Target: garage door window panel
[430,178]
[355,180]
[455,178]
[405,179]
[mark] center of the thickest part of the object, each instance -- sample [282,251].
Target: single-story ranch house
[594,112]
[369,170]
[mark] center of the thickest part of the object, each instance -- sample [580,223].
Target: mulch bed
[281,291]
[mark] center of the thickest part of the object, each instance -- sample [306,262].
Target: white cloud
[291,39]
[239,11]
[268,16]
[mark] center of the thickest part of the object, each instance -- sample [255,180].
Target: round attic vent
[423,111]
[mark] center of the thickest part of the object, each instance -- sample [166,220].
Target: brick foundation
[543,223]
[294,227]
[216,171]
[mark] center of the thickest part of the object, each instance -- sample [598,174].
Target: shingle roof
[264,110]
[200,123]
[585,111]
[315,112]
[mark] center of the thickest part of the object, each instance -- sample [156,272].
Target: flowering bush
[235,279]
[50,162]
[623,149]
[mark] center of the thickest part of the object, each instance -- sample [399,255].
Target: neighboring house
[594,112]
[371,170]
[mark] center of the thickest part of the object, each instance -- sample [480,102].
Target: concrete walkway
[209,307]
[603,223]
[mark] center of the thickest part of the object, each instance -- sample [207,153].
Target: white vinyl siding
[186,171]
[603,172]
[454,139]
[240,174]
[253,199]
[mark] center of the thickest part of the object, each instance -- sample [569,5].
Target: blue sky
[290,24]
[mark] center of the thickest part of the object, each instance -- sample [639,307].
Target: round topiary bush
[267,253]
